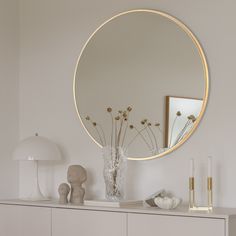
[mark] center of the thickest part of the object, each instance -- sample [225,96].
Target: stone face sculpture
[63,190]
[76,176]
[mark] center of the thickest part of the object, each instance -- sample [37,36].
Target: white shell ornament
[167,202]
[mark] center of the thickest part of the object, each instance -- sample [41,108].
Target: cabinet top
[220,213]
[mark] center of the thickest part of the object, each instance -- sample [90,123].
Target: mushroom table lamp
[36,149]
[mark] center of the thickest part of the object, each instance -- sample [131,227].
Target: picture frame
[186,106]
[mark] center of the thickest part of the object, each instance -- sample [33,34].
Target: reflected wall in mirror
[136,59]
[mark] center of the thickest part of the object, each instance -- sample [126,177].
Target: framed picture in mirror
[181,113]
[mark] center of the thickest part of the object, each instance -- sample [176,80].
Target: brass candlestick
[192,203]
[209,192]
[191,193]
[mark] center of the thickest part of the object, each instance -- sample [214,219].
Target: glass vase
[114,172]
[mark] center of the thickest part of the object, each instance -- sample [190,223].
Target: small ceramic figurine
[76,176]
[63,190]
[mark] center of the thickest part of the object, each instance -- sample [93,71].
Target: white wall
[52,35]
[8,97]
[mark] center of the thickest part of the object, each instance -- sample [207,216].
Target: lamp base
[36,194]
[35,199]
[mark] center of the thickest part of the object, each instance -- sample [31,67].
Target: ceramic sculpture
[76,176]
[63,190]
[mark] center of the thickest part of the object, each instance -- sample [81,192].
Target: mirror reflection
[141,84]
[181,114]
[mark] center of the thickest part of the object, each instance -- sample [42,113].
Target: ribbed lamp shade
[36,148]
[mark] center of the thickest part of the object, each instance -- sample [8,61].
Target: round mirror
[141,83]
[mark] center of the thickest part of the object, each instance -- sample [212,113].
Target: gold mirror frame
[206,77]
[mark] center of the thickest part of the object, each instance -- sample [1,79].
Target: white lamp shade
[36,148]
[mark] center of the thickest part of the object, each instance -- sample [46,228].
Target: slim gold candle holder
[192,203]
[191,193]
[209,192]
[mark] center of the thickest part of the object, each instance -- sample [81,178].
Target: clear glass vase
[114,172]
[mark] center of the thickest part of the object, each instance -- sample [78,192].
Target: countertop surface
[220,213]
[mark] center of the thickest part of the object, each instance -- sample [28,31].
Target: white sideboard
[24,221]
[22,218]
[87,223]
[140,224]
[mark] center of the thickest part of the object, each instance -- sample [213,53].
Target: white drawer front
[24,221]
[154,225]
[88,223]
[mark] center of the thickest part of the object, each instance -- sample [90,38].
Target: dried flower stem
[119,133]
[182,132]
[186,128]
[112,128]
[172,129]
[157,148]
[103,134]
[150,138]
[99,135]
[115,133]
[139,132]
[126,127]
[124,136]
[160,130]
[143,138]
[94,124]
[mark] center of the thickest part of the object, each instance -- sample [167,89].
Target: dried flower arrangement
[117,144]
[120,125]
[148,132]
